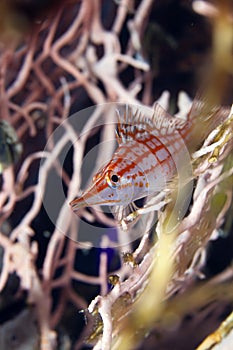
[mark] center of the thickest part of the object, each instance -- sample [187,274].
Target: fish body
[144,162]
[137,168]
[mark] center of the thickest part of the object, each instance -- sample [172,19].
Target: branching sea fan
[96,111]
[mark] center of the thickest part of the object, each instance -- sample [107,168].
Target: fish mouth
[78,203]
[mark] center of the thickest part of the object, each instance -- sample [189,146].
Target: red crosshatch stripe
[100,186]
[140,158]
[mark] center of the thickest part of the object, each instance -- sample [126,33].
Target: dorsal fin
[164,122]
[203,110]
[132,125]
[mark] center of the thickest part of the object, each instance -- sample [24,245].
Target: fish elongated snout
[86,199]
[78,203]
[92,197]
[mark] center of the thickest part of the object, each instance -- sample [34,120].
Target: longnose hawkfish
[145,160]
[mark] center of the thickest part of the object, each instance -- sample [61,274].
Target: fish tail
[203,117]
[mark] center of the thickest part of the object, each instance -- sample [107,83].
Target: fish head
[119,183]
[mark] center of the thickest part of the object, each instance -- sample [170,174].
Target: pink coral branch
[70,57]
[23,74]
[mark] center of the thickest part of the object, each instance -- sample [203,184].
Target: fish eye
[113,179]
